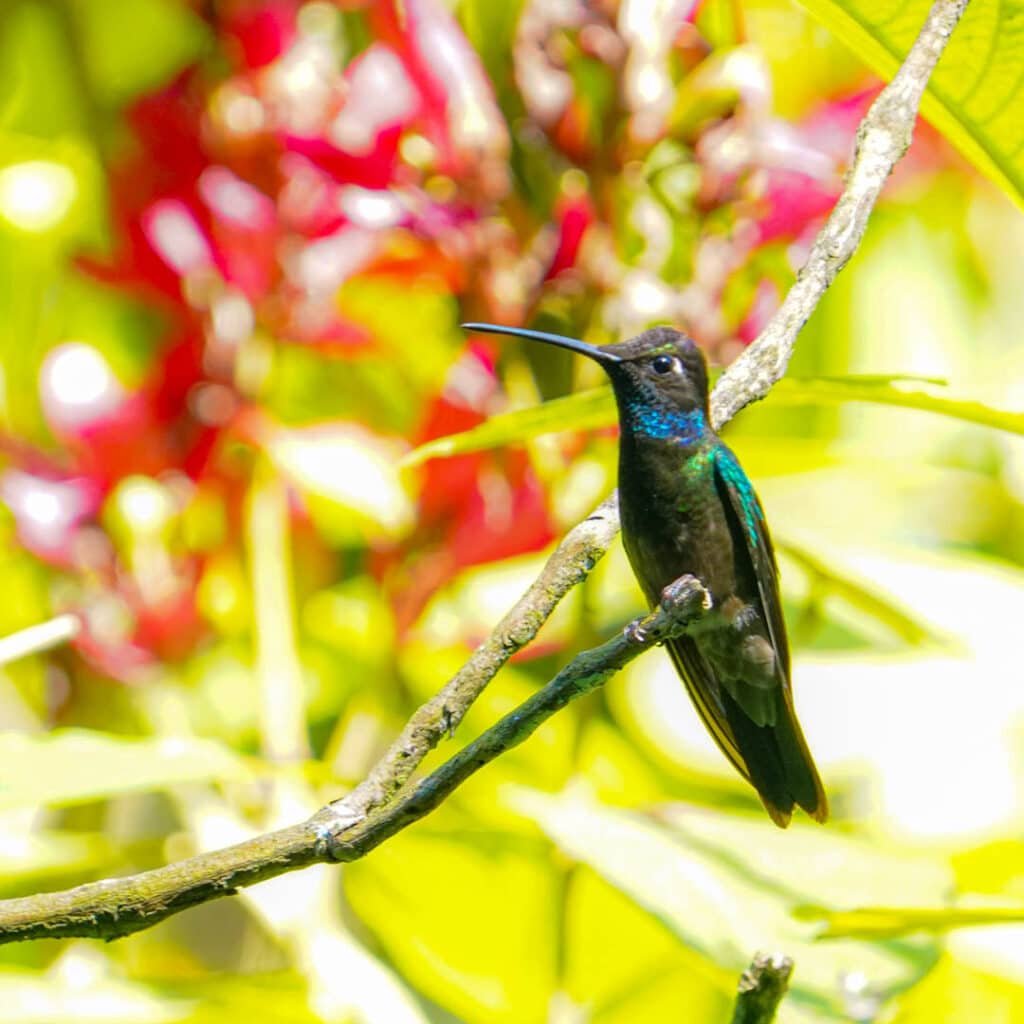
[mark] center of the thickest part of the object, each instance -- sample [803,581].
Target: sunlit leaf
[889,922]
[726,886]
[627,967]
[973,96]
[48,101]
[469,923]
[34,860]
[348,476]
[164,36]
[596,408]
[903,392]
[281,997]
[74,765]
[957,993]
[80,987]
[858,595]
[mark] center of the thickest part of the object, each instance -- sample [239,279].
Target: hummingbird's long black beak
[599,354]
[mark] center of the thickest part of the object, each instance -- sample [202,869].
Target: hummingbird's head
[660,378]
[661,368]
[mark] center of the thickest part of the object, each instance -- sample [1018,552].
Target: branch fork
[389,800]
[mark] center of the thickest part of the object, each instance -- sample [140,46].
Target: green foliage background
[612,869]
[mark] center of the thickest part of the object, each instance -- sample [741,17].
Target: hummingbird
[688,511]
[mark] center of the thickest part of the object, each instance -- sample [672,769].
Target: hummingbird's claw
[683,599]
[686,595]
[636,631]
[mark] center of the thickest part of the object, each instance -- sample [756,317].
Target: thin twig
[43,637]
[387,801]
[568,566]
[882,138]
[761,988]
[120,906]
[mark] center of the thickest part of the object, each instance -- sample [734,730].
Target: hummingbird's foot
[684,600]
[686,597]
[636,631]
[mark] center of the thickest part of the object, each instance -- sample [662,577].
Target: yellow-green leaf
[858,595]
[76,765]
[585,409]
[596,408]
[890,922]
[724,885]
[907,393]
[974,96]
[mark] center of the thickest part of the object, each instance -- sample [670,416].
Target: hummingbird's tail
[778,762]
[774,758]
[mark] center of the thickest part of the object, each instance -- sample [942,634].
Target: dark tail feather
[779,762]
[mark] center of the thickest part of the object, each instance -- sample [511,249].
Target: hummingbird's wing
[775,756]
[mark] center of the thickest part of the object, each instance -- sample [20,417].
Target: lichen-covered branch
[761,988]
[387,801]
[882,138]
[120,906]
[568,566]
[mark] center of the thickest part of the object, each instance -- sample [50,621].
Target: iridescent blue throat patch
[661,423]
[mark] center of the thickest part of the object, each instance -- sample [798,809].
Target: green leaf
[596,408]
[31,861]
[135,46]
[77,988]
[726,886]
[974,96]
[904,392]
[432,933]
[860,596]
[76,765]
[957,992]
[281,997]
[890,922]
[348,477]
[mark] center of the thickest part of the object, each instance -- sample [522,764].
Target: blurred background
[237,238]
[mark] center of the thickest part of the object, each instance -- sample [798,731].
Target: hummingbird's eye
[665,364]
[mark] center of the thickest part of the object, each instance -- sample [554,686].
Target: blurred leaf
[133,46]
[354,619]
[491,28]
[973,96]
[412,323]
[992,868]
[469,923]
[348,475]
[888,922]
[38,860]
[35,50]
[955,993]
[690,896]
[63,180]
[281,997]
[699,875]
[858,595]
[596,408]
[74,765]
[893,391]
[626,967]
[79,987]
